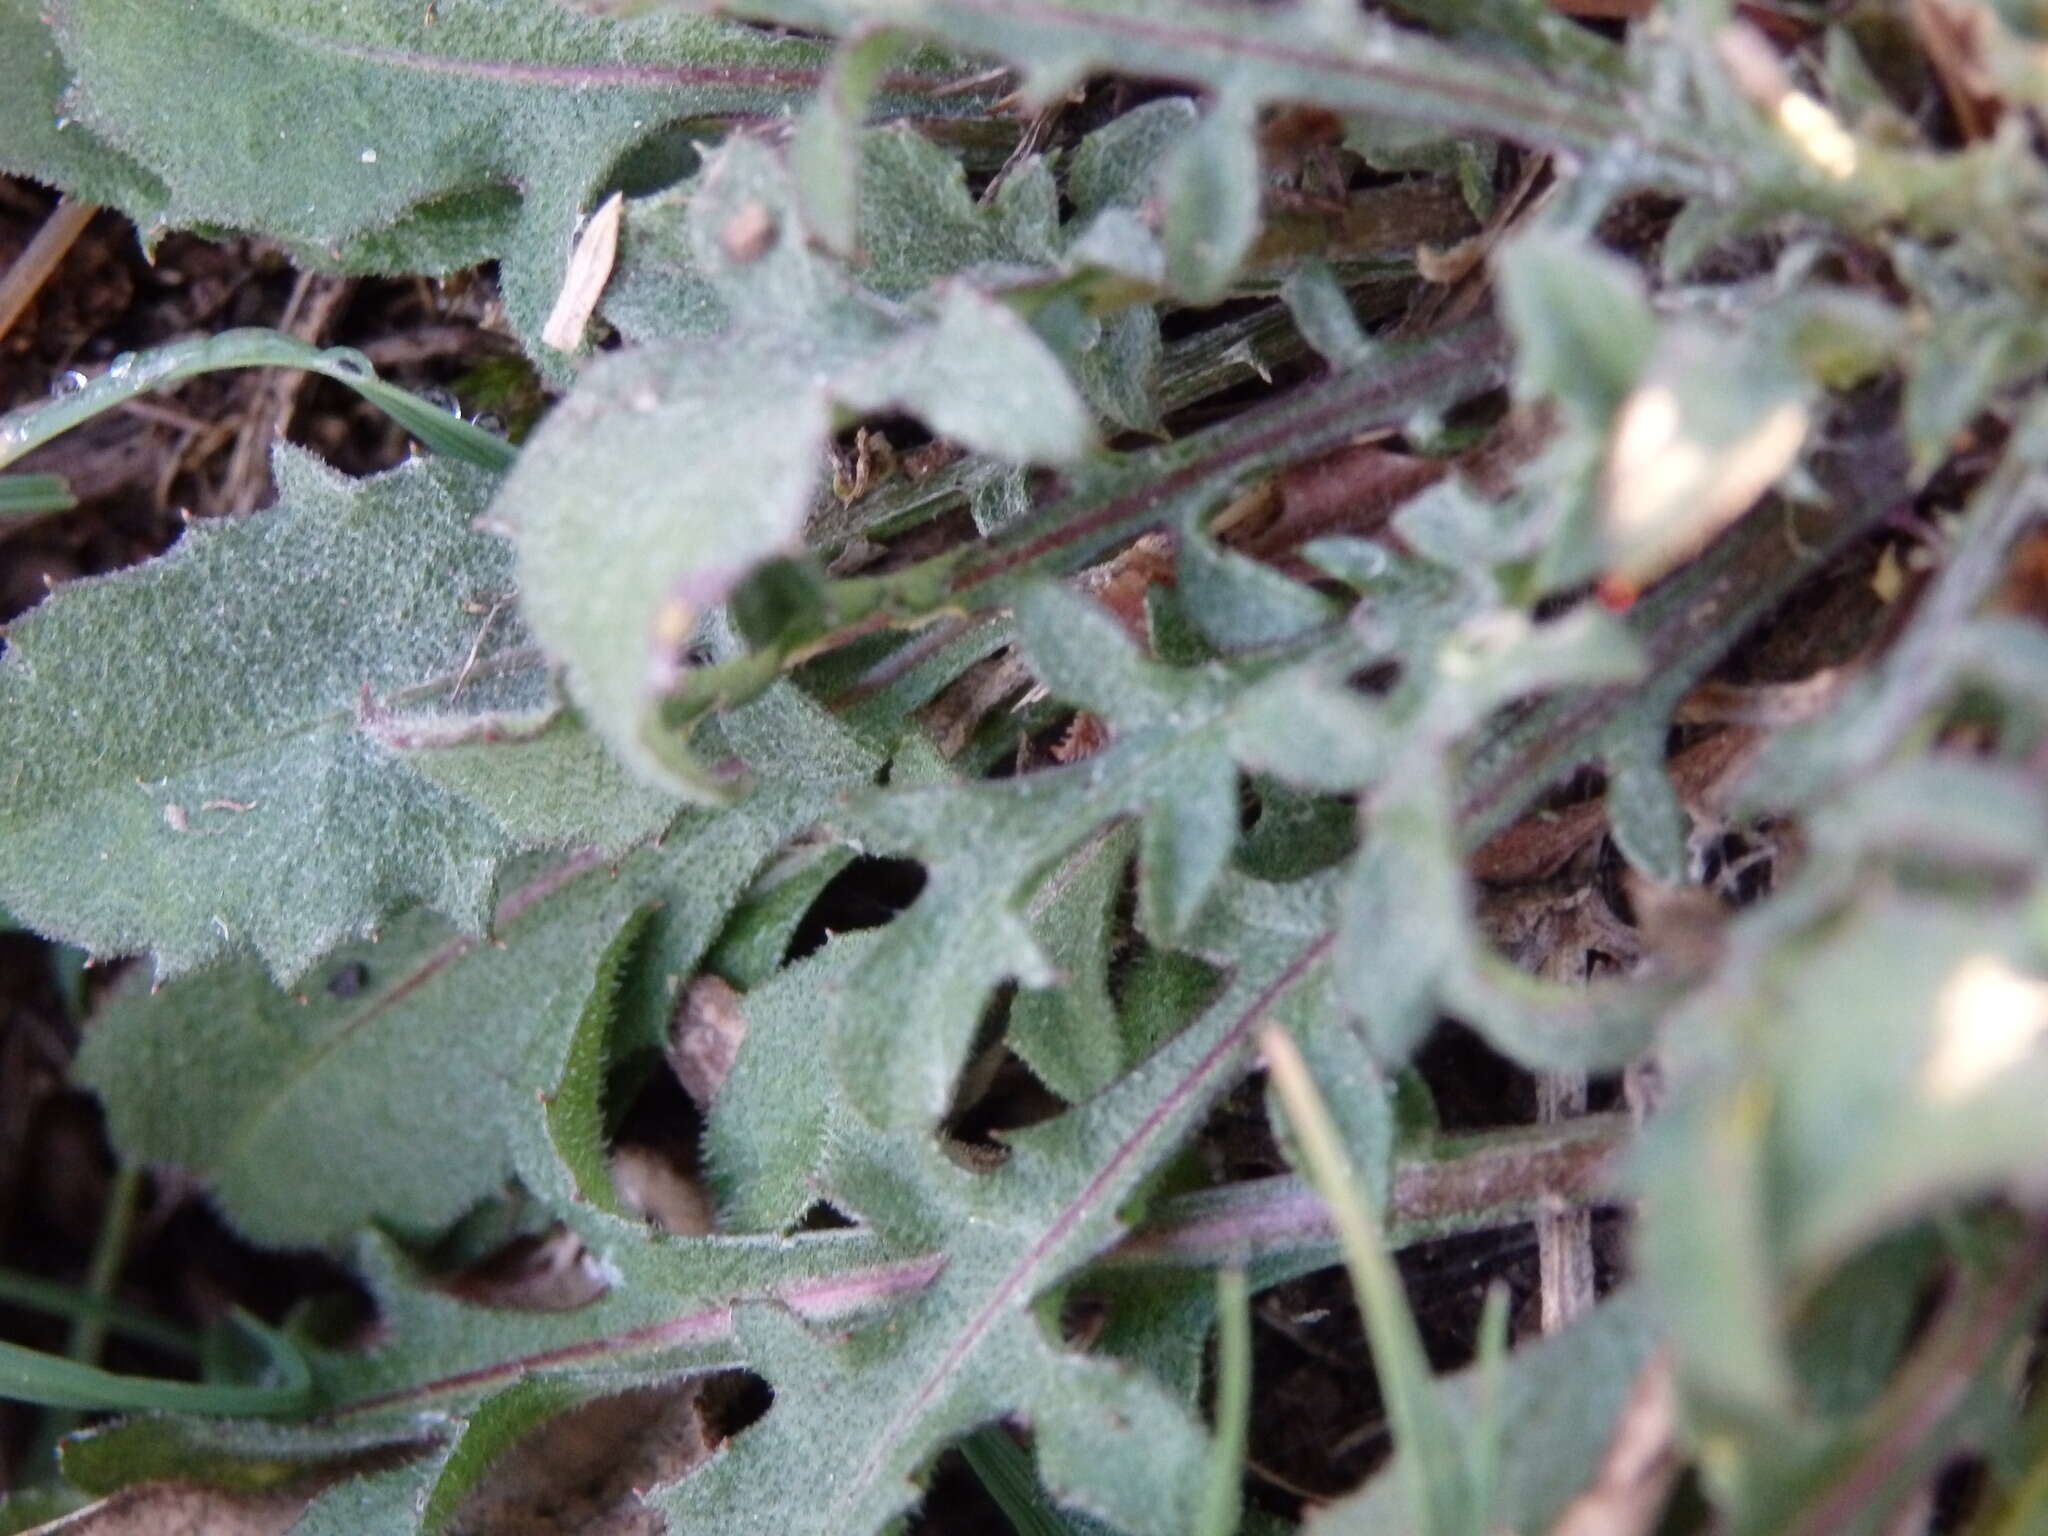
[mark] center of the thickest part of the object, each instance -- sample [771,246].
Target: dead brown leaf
[704,1040]
[584,1471]
[651,1186]
[1956,35]
[550,1273]
[164,1509]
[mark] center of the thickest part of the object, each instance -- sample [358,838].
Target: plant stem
[1474,1184]
[109,1253]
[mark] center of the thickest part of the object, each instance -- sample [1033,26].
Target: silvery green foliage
[388,135]
[262,773]
[674,469]
[432,793]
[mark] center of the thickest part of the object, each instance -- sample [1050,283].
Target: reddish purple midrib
[1083,1202]
[757,77]
[827,1299]
[1505,103]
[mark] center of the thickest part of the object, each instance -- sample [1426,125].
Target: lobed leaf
[392,136]
[223,733]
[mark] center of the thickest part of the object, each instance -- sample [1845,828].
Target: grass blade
[32,1376]
[137,373]
[1006,1472]
[1223,1500]
[28,495]
[1430,1464]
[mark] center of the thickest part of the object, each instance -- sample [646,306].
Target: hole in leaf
[537,1272]
[865,894]
[733,1401]
[662,159]
[956,1502]
[1379,679]
[822,1216]
[1008,1097]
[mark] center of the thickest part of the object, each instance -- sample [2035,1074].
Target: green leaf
[1070,1034]
[1210,184]
[1117,166]
[1583,327]
[31,495]
[1344,60]
[407,1086]
[31,1376]
[1406,919]
[208,750]
[133,374]
[1184,844]
[397,136]
[1240,604]
[765,1138]
[39,137]
[1322,313]
[624,507]
[825,155]
[973,1348]
[245,1456]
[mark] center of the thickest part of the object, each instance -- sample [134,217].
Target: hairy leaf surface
[226,737]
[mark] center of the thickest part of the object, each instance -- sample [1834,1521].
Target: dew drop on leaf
[349,361]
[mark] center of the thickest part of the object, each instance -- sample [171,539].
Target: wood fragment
[590,268]
[316,302]
[32,268]
[1564,1236]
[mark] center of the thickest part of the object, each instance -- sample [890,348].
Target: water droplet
[69,383]
[369,157]
[441,400]
[484,421]
[349,361]
[122,365]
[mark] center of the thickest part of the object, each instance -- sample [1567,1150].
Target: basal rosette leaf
[1179,732]
[421,1071]
[973,1346]
[220,749]
[38,136]
[388,135]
